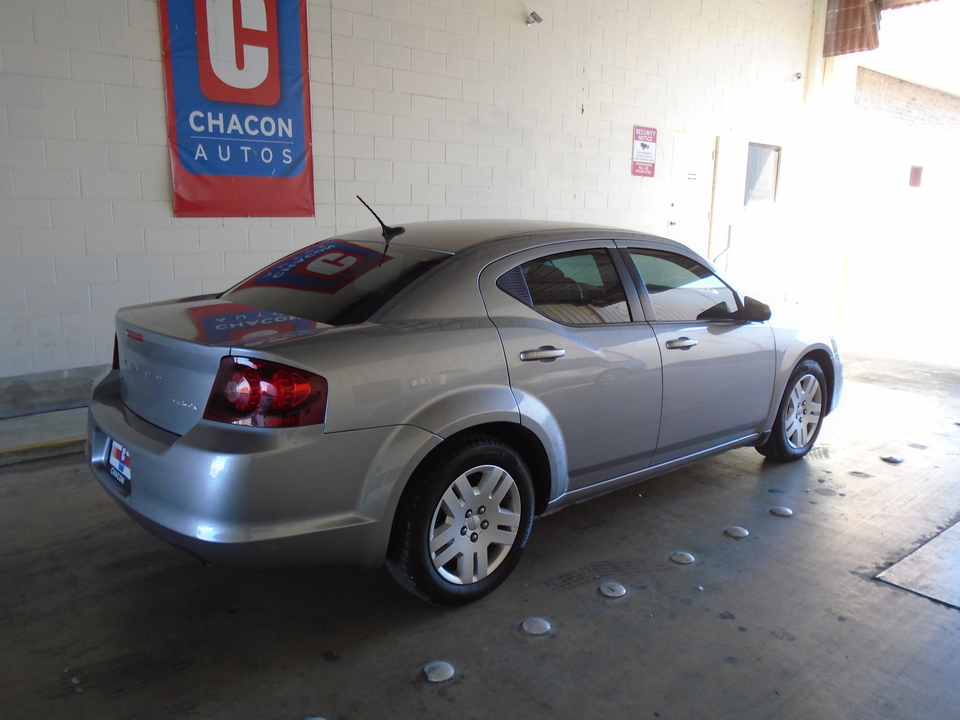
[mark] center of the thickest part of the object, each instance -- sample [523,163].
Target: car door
[576,355]
[718,372]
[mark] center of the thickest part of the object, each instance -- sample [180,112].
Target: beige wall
[450,109]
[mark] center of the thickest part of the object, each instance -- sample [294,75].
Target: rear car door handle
[546,353]
[682,343]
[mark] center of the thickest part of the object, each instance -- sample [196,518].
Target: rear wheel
[461,527]
[799,417]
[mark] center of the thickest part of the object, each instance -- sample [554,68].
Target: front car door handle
[545,353]
[681,343]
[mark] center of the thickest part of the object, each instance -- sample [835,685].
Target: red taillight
[265,394]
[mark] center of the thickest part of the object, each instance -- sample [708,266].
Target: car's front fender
[792,347]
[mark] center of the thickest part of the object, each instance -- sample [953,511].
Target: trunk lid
[170,352]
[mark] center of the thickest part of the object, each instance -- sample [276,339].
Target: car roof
[454,236]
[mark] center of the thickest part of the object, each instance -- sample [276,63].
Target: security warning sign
[644,151]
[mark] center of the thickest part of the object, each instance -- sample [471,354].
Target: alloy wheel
[802,414]
[475,524]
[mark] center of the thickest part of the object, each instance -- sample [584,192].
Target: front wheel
[799,417]
[463,523]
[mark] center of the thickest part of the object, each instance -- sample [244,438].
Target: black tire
[463,522]
[800,415]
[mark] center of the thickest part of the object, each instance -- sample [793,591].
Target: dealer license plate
[120,463]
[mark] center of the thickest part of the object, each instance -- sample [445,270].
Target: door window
[575,288]
[682,289]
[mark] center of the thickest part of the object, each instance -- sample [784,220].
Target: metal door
[718,373]
[691,190]
[717,384]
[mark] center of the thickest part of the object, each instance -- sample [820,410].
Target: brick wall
[890,99]
[450,109]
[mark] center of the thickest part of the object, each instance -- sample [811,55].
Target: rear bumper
[333,546]
[251,497]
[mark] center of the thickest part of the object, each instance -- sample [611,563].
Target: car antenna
[389,233]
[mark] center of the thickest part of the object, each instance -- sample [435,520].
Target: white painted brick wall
[430,110]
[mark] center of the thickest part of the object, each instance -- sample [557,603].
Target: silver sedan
[419,402]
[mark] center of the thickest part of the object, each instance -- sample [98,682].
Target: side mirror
[753,311]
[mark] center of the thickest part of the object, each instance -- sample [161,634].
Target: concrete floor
[100,620]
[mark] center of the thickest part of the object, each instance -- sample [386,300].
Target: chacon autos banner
[238,107]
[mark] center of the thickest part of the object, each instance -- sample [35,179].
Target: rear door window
[574,288]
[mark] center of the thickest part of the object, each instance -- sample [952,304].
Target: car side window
[682,289]
[574,288]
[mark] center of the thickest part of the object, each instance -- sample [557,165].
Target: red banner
[238,107]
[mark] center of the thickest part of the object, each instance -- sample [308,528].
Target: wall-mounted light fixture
[533,18]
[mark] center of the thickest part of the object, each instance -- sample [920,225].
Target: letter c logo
[238,49]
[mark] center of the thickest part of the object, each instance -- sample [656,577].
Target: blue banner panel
[238,107]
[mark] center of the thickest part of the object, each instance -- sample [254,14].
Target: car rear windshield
[335,282]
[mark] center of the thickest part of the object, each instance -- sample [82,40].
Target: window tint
[575,288]
[334,282]
[682,289]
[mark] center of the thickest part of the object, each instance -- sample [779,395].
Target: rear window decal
[323,268]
